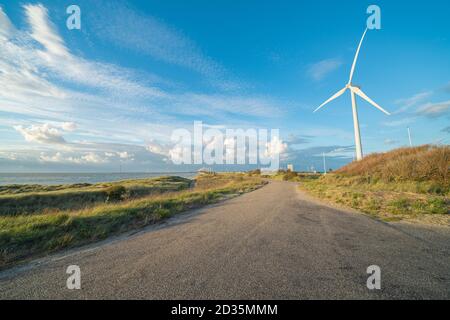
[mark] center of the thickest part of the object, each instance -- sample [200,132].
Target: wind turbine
[355,90]
[409,137]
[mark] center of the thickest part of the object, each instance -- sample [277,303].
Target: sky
[109,95]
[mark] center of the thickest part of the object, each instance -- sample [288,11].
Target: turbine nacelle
[356,90]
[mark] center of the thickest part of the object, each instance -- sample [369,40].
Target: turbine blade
[336,95]
[356,57]
[359,92]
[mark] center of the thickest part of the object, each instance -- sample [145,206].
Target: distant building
[290,167]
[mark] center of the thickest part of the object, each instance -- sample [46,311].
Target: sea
[73,178]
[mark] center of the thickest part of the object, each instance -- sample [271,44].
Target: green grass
[405,183]
[25,236]
[282,175]
[36,199]
[390,201]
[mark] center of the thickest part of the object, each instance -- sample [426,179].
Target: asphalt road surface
[273,243]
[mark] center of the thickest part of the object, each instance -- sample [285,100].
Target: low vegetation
[31,199]
[40,231]
[285,175]
[407,183]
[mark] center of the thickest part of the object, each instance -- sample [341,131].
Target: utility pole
[324,164]
[409,137]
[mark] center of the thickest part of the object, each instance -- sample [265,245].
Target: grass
[425,163]
[403,184]
[25,236]
[37,199]
[283,175]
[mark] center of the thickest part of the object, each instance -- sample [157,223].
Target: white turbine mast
[409,137]
[355,90]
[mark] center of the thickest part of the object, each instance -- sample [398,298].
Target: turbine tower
[355,90]
[409,137]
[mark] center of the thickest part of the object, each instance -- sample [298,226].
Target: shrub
[115,193]
[437,206]
[256,172]
[289,175]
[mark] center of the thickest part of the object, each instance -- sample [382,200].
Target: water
[71,178]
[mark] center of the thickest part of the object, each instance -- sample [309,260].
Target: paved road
[273,243]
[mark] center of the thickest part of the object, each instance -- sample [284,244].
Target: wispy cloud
[407,103]
[321,69]
[88,158]
[59,60]
[119,24]
[399,123]
[50,92]
[307,158]
[30,70]
[390,142]
[299,139]
[446,88]
[435,110]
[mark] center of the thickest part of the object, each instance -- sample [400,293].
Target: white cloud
[146,34]
[176,154]
[43,82]
[41,133]
[9,155]
[399,123]
[157,148]
[125,155]
[65,65]
[69,126]
[213,104]
[59,157]
[29,74]
[275,146]
[412,101]
[321,69]
[435,110]
[43,31]
[390,142]
[6,27]
[92,157]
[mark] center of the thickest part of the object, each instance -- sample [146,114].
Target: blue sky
[110,94]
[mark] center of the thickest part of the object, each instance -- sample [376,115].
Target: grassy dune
[406,183]
[30,199]
[40,231]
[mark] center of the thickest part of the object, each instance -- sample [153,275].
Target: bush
[116,193]
[289,176]
[256,172]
